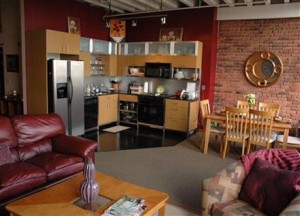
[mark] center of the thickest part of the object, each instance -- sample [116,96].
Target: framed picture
[73,25]
[170,34]
[12,63]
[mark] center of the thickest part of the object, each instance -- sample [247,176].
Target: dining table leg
[285,137]
[206,135]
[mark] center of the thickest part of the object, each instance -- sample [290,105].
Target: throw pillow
[269,188]
[5,156]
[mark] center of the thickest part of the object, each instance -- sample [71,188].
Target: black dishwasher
[90,114]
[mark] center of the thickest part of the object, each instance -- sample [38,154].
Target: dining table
[278,126]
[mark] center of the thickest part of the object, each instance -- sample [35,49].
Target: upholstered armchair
[221,192]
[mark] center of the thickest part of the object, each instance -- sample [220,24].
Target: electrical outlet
[203,87]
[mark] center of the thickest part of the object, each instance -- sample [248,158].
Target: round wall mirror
[263,69]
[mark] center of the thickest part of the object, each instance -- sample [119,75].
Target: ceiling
[127,7]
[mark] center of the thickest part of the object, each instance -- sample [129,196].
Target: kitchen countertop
[124,92]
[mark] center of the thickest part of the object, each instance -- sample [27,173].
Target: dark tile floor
[129,139]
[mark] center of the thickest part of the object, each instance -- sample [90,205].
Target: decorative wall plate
[263,69]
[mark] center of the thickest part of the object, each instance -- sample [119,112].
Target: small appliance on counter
[158,70]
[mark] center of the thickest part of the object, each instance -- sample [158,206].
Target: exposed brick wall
[237,41]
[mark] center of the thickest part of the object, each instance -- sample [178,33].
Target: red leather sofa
[35,153]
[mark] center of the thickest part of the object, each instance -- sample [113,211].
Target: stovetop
[157,95]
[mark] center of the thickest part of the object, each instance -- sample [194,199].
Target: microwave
[158,70]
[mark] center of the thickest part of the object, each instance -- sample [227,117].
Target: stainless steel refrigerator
[66,97]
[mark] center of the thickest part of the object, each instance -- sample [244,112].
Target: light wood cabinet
[62,42]
[40,44]
[181,115]
[107,109]
[86,57]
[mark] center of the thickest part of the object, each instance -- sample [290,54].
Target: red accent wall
[53,14]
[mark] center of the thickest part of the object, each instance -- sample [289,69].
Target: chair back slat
[236,122]
[205,109]
[242,104]
[261,123]
[269,107]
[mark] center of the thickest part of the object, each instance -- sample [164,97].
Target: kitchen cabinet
[181,115]
[160,48]
[128,108]
[184,54]
[40,45]
[102,60]
[86,57]
[107,109]
[62,42]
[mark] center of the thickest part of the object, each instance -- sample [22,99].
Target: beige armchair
[220,194]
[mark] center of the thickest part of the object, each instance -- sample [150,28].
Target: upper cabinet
[183,54]
[62,42]
[99,56]
[134,48]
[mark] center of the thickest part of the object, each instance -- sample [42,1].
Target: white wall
[10,38]
[274,11]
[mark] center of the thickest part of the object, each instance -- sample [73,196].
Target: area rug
[116,129]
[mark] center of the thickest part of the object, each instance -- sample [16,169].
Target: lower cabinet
[107,109]
[128,108]
[181,115]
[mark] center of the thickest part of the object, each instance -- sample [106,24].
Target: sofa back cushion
[7,134]
[28,151]
[33,128]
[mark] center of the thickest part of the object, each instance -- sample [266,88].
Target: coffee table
[58,199]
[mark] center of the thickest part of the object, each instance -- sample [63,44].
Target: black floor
[131,139]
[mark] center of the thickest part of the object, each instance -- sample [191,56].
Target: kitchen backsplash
[104,83]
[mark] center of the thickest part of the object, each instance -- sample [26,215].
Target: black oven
[151,110]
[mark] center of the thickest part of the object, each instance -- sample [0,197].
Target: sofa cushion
[28,151]
[288,159]
[5,155]
[58,165]
[32,128]
[19,172]
[269,188]
[234,207]
[7,134]
[19,177]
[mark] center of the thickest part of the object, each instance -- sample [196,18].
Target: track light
[163,20]
[133,23]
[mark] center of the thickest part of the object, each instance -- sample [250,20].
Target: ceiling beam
[230,2]
[122,6]
[190,3]
[169,3]
[212,2]
[133,3]
[104,5]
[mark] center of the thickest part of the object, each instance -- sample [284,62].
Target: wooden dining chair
[261,123]
[242,104]
[216,130]
[269,107]
[236,127]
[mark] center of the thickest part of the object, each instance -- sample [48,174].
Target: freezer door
[76,97]
[60,89]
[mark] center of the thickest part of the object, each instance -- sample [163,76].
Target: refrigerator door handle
[70,90]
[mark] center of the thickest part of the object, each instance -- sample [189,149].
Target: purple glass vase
[89,188]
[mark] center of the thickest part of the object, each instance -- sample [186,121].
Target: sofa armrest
[293,208]
[223,186]
[73,145]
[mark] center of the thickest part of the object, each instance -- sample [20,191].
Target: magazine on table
[126,206]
